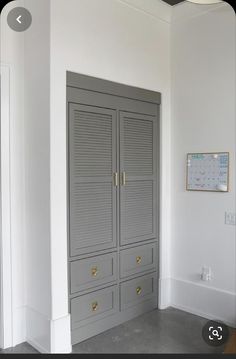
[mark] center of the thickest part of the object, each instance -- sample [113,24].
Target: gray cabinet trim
[98,99]
[113,88]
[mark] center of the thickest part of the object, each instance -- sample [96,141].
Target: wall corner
[164,293]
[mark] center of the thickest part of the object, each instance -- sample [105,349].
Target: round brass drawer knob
[94,306]
[138,259]
[94,271]
[138,290]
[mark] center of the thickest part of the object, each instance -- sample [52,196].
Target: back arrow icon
[18,19]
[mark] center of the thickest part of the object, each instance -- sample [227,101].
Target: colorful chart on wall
[208,171]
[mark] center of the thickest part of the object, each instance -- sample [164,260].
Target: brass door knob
[138,290]
[138,260]
[94,306]
[94,271]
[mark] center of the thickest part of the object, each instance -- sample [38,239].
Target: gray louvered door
[92,154]
[113,141]
[138,156]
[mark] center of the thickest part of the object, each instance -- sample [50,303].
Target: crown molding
[156,9]
[187,10]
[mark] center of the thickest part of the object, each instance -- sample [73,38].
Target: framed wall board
[208,172]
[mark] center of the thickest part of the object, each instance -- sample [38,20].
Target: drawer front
[90,272]
[138,259]
[94,306]
[138,290]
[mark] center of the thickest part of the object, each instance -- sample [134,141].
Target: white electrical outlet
[230,218]
[206,274]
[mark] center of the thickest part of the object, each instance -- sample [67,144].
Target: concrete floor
[166,331]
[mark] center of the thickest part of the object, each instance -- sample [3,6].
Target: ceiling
[173,2]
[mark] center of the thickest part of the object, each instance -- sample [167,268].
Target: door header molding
[112,88]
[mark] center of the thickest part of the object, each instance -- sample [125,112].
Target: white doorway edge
[6,328]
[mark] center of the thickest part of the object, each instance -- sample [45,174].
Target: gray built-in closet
[113,182]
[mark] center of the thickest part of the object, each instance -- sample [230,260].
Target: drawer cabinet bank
[113,187]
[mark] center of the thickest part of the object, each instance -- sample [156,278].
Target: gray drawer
[90,272]
[138,290]
[138,259]
[94,306]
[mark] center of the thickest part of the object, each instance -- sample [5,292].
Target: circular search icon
[215,334]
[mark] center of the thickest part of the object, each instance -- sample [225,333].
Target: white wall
[5,230]
[126,41]
[37,176]
[203,115]
[115,41]
[12,57]
[27,55]
[131,46]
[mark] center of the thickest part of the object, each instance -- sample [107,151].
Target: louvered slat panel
[91,213]
[137,160]
[92,144]
[92,194]
[138,147]
[138,209]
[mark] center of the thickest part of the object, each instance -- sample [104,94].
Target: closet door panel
[137,137]
[92,154]
[138,191]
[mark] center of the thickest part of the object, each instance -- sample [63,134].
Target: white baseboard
[36,346]
[48,336]
[18,327]
[61,335]
[210,303]
[38,330]
[164,293]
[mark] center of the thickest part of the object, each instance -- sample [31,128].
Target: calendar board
[208,171]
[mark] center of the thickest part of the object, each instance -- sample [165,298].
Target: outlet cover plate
[230,218]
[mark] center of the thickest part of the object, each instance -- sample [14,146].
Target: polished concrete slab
[166,331]
[24,348]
